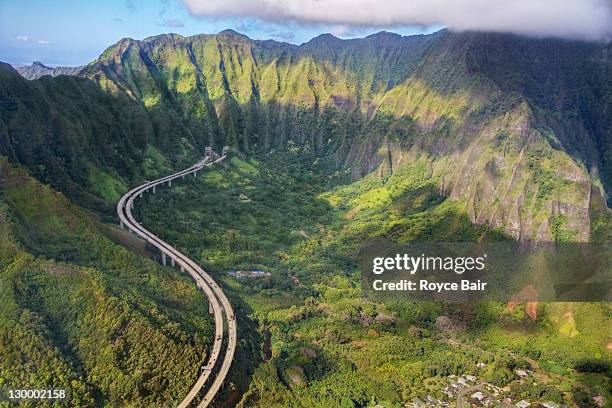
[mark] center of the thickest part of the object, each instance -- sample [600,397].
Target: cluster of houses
[458,384]
[549,404]
[255,273]
[478,394]
[429,401]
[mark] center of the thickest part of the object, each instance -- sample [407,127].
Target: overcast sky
[586,19]
[74,32]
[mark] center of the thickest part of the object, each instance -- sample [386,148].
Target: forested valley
[442,137]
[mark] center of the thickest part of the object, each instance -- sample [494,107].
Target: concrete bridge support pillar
[121,224]
[195,173]
[172,262]
[169,183]
[163,258]
[153,189]
[140,196]
[182,269]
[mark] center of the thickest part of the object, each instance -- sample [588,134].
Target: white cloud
[23,38]
[44,42]
[587,19]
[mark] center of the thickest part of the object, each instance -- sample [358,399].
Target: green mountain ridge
[528,120]
[449,136]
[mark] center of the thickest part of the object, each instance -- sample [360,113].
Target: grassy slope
[304,224]
[80,312]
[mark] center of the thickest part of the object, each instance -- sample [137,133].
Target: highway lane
[221,307]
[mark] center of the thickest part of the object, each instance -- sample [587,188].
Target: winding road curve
[221,307]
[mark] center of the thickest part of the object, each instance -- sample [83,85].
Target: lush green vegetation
[294,216]
[533,137]
[458,137]
[80,312]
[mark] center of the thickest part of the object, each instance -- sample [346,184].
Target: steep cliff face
[492,149]
[518,129]
[503,169]
[526,168]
